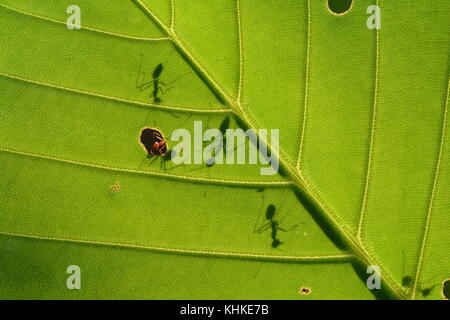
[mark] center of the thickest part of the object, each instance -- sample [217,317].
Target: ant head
[426,292]
[158,70]
[270,212]
[276,243]
[406,281]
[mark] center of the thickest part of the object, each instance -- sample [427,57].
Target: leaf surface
[364,149]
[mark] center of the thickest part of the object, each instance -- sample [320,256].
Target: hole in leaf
[446,289]
[154,142]
[304,290]
[340,6]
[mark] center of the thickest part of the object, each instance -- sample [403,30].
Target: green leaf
[364,149]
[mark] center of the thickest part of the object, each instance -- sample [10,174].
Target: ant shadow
[407,281]
[153,81]
[272,222]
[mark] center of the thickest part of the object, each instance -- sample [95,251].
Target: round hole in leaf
[446,289]
[340,6]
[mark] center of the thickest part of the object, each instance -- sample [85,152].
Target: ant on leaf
[158,86]
[407,282]
[274,225]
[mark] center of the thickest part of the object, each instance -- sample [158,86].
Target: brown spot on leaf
[115,187]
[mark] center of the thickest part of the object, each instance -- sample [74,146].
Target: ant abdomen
[276,243]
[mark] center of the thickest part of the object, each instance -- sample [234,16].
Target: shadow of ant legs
[407,281]
[273,224]
[163,160]
[164,88]
[290,229]
[276,242]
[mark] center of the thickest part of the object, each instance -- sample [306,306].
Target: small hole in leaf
[304,290]
[446,289]
[340,6]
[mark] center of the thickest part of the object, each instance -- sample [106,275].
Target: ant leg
[174,114]
[224,148]
[260,214]
[141,75]
[163,88]
[290,229]
[145,85]
[153,159]
[263,228]
[207,143]
[168,157]
[164,159]
[169,86]
[180,77]
[145,158]
[142,162]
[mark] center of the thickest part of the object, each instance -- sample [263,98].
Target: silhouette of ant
[274,225]
[155,83]
[427,291]
[407,281]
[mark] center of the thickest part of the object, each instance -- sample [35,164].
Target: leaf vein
[231,255]
[151,173]
[85,27]
[103,96]
[306,92]
[372,135]
[433,191]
